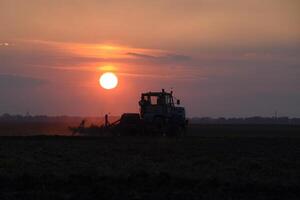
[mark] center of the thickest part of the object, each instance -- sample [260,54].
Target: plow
[159,115]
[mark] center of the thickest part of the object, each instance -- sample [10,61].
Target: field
[206,164]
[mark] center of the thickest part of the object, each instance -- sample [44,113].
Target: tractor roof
[157,93]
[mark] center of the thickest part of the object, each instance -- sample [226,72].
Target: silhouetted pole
[106,120]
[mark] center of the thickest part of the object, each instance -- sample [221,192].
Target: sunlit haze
[221,57]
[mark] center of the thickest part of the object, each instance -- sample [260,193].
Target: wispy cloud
[86,56]
[167,57]
[103,50]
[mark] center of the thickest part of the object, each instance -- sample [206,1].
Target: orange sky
[223,58]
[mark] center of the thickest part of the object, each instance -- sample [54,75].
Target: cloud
[8,81]
[139,55]
[167,57]
[36,54]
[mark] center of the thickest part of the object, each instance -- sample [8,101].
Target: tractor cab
[157,104]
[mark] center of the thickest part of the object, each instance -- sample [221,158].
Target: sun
[108,80]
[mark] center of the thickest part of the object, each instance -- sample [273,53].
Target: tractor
[159,115]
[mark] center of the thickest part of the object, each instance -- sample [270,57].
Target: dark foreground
[194,167]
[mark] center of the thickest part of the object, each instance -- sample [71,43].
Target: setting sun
[108,80]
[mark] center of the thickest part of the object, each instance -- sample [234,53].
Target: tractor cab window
[154,100]
[157,100]
[169,100]
[161,100]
